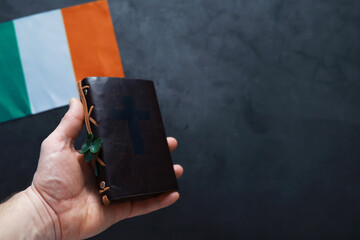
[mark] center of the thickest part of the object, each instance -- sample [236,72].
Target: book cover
[134,159]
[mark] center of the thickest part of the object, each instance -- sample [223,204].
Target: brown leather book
[134,159]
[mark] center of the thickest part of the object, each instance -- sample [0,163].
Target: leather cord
[88,119]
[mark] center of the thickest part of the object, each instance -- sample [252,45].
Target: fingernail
[71,101]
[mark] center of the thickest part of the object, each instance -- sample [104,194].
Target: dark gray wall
[263,97]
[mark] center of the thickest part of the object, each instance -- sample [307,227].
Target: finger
[140,207]
[178,169]
[172,143]
[71,124]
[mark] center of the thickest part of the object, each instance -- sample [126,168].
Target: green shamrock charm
[90,149]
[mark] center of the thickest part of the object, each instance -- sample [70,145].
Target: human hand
[66,188]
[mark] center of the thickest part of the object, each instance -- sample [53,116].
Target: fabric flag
[43,55]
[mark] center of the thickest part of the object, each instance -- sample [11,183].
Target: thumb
[71,124]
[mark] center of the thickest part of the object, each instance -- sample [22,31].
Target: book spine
[92,128]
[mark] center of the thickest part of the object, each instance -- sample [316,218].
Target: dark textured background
[263,96]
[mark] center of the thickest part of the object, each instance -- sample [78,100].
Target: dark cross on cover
[132,116]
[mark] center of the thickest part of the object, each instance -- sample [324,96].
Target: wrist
[49,226]
[27,216]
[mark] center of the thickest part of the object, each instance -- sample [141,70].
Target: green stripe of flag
[14,100]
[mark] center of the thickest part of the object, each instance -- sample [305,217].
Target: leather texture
[135,150]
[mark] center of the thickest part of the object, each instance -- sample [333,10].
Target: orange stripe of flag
[92,42]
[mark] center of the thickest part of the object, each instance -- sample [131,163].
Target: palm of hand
[67,185]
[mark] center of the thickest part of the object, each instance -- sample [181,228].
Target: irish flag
[43,55]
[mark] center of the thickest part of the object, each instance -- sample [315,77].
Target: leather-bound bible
[134,159]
